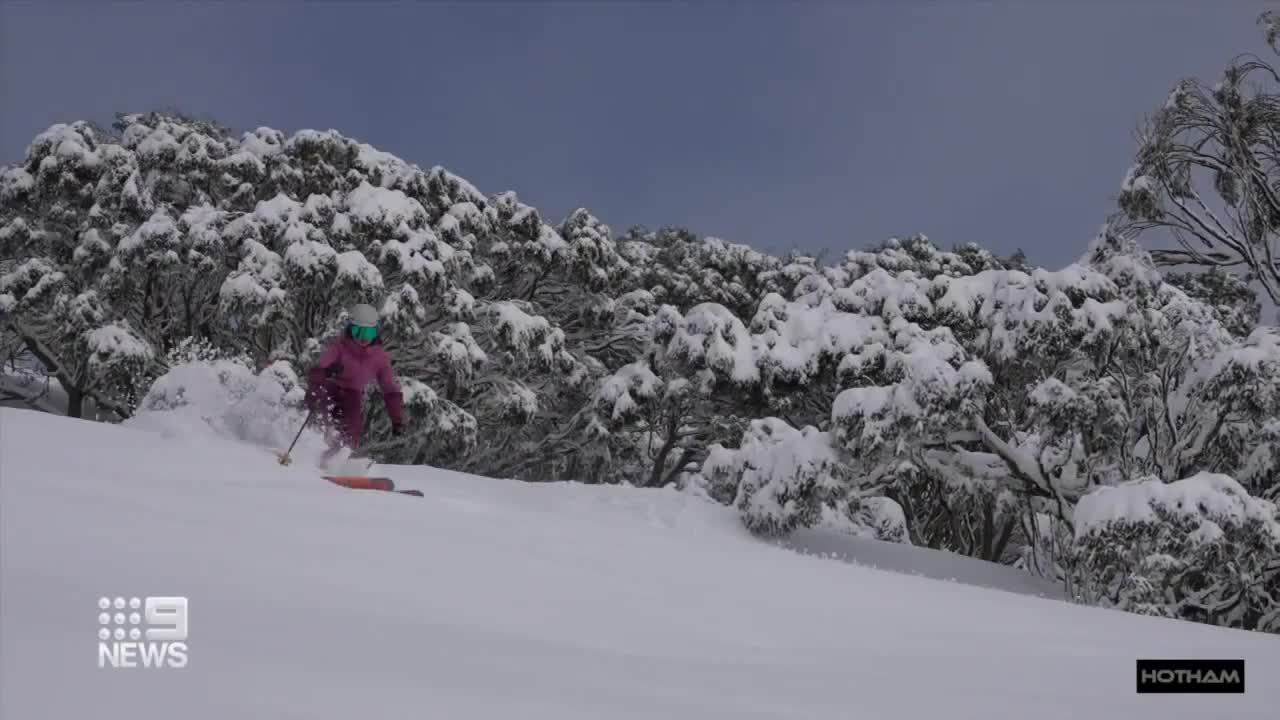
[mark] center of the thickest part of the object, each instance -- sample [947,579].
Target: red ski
[360,482]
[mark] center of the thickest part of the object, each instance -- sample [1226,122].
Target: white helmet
[364,315]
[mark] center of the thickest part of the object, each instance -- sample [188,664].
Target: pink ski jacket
[338,380]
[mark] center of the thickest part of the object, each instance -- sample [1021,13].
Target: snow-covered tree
[55,283]
[852,334]
[683,270]
[659,414]
[982,397]
[524,352]
[1233,302]
[120,246]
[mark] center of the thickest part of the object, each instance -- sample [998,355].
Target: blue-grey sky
[787,124]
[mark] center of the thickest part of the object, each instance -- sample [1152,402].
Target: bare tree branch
[1208,171]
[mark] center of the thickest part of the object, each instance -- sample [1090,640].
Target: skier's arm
[391,394]
[320,377]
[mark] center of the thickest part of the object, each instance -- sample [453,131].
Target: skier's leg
[349,425]
[353,426]
[334,437]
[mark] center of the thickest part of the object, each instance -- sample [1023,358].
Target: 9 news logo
[142,632]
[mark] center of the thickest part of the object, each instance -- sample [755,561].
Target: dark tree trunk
[1002,541]
[75,402]
[669,443]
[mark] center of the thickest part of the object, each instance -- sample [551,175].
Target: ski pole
[285,459]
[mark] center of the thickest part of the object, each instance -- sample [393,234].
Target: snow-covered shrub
[875,516]
[1198,549]
[193,349]
[957,507]
[121,360]
[784,479]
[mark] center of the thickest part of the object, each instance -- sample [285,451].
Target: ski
[360,482]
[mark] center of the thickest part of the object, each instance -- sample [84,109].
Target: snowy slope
[495,599]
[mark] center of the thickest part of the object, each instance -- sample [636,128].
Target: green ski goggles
[364,333]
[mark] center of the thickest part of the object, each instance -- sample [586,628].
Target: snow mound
[228,399]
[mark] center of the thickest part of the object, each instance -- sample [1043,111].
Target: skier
[335,387]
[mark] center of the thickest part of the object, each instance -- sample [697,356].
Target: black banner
[1191,676]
